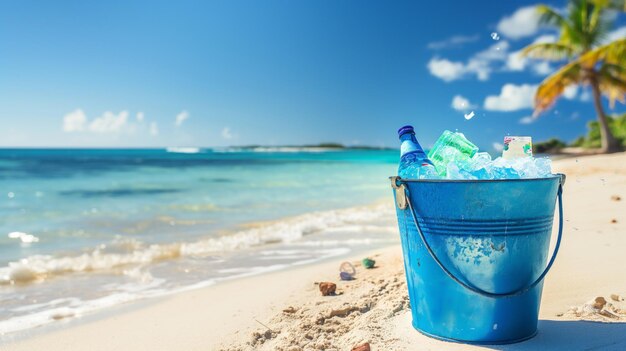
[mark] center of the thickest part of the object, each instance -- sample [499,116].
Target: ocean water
[81,230]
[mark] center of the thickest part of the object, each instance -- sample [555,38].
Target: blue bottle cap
[405,129]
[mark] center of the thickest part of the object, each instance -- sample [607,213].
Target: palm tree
[593,62]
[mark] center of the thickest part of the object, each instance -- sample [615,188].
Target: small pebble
[599,302]
[368,263]
[616,297]
[328,288]
[347,271]
[616,198]
[345,276]
[290,309]
[614,220]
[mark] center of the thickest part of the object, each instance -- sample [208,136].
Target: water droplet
[10,194]
[469,116]
[495,36]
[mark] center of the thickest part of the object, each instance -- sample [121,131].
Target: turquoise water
[85,229]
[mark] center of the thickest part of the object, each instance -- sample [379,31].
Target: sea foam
[124,252]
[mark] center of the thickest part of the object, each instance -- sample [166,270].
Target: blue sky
[215,73]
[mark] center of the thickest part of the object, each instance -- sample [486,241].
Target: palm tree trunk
[609,143]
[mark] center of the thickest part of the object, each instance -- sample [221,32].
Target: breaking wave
[123,252]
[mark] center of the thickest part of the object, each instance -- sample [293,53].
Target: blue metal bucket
[475,254]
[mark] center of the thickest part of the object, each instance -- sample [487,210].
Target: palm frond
[611,53]
[549,51]
[613,70]
[550,17]
[553,86]
[578,32]
[596,14]
[599,23]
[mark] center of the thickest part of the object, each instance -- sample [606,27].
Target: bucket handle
[471,287]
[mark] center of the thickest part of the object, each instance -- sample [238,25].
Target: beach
[284,310]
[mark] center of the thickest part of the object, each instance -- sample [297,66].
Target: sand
[582,306]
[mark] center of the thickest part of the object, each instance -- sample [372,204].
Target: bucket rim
[558,176]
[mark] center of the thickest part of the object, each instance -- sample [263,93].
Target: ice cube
[503,169]
[481,160]
[544,166]
[428,172]
[524,167]
[481,166]
[454,172]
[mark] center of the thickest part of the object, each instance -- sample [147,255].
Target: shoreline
[325,223]
[269,289]
[588,266]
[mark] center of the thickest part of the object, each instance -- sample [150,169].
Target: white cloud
[512,98]
[74,121]
[524,22]
[226,133]
[496,52]
[571,92]
[619,33]
[526,120]
[545,38]
[497,146]
[109,122]
[181,117]
[446,69]
[154,129]
[517,62]
[585,95]
[455,41]
[461,103]
[542,68]
[495,58]
[479,64]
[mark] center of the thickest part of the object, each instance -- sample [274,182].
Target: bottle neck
[409,144]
